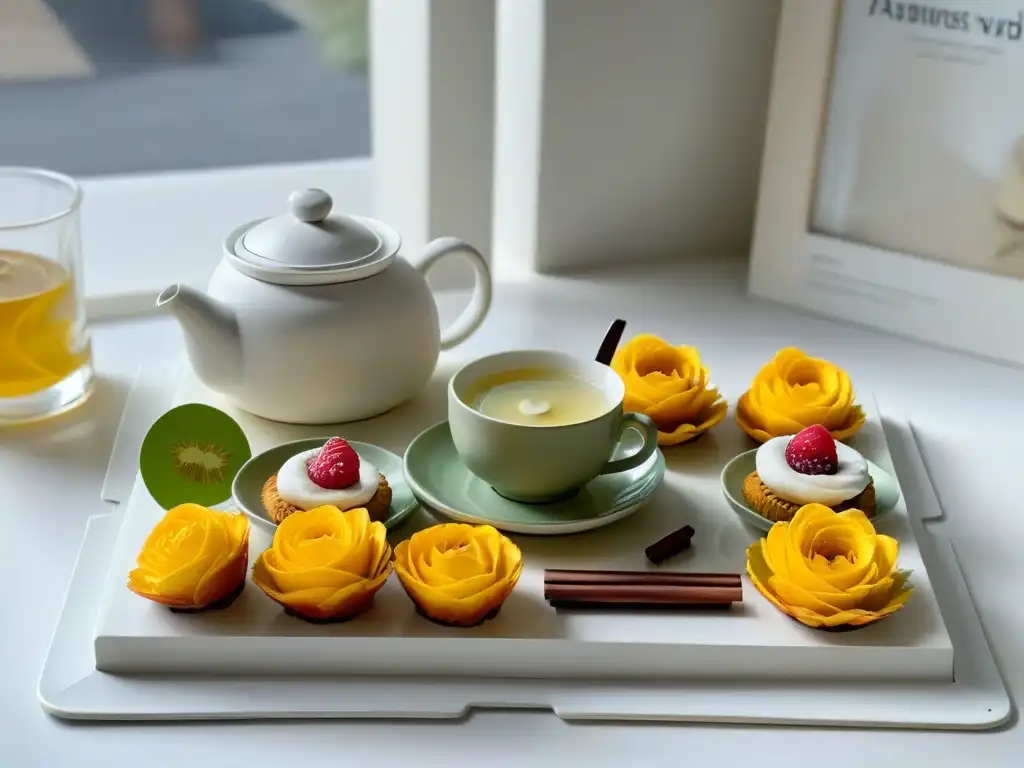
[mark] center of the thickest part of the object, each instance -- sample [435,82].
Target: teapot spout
[211,335]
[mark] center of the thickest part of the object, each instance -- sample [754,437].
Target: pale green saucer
[247,487]
[887,491]
[441,481]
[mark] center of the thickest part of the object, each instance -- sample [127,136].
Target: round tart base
[278,509]
[764,501]
[353,612]
[217,605]
[441,622]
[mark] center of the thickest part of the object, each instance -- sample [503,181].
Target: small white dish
[247,487]
[887,491]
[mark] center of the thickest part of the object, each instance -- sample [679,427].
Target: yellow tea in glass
[45,360]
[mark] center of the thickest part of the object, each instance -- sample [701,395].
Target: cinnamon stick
[611,342]
[641,577]
[670,545]
[644,593]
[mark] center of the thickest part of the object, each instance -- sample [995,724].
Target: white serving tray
[71,686]
[528,638]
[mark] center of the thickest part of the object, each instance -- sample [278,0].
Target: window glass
[96,87]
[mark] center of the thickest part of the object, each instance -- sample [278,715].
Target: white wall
[627,130]
[432,114]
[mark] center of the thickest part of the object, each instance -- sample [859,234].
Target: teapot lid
[307,246]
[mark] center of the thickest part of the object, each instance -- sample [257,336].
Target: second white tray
[71,687]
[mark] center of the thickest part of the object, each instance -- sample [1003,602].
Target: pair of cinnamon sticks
[641,589]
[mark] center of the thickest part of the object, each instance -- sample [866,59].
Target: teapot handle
[480,302]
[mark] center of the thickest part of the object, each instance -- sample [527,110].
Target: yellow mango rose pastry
[325,565]
[194,559]
[794,391]
[458,574]
[334,475]
[808,468]
[829,569]
[669,385]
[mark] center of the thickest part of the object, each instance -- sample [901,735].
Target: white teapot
[315,319]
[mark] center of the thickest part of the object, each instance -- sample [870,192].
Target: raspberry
[813,452]
[336,466]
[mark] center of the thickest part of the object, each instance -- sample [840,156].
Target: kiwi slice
[192,454]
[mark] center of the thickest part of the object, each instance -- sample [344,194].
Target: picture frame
[927,296]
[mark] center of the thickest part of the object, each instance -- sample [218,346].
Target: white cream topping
[787,483]
[295,487]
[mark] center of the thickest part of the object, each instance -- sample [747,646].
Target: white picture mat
[947,305]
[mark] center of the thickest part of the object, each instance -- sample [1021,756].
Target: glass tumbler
[45,355]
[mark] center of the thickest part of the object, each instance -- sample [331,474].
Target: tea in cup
[538,425]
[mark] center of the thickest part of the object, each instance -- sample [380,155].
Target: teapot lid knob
[310,205]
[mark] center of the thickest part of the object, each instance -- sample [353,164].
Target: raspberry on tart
[331,475]
[812,451]
[808,468]
[336,466]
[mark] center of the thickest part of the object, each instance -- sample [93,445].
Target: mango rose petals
[325,565]
[194,558]
[795,391]
[829,569]
[669,385]
[458,574]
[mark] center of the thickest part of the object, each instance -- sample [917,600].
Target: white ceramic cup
[540,464]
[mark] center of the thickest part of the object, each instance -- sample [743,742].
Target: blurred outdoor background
[96,87]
